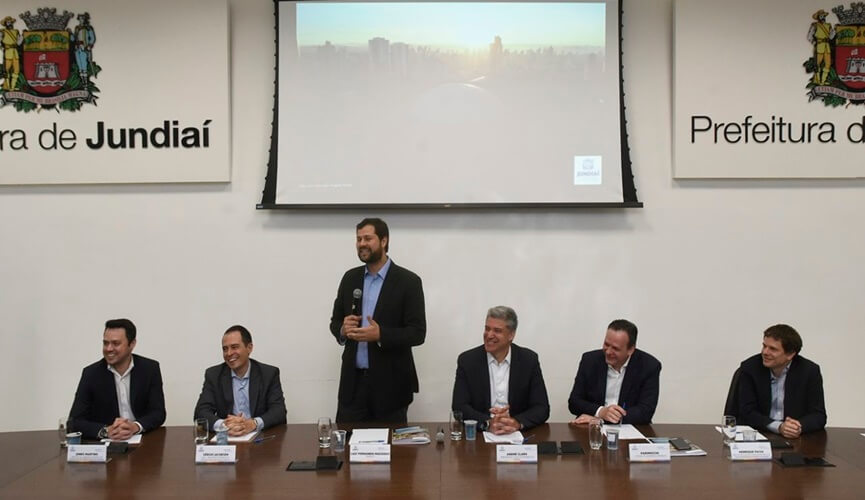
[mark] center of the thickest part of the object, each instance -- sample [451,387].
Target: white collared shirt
[614,385]
[499,376]
[121,384]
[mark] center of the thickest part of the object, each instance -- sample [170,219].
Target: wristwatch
[103,432]
[484,425]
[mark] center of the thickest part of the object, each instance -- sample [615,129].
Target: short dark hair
[506,314]
[128,327]
[380,228]
[244,333]
[787,335]
[623,325]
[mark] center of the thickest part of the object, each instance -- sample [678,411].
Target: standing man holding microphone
[378,315]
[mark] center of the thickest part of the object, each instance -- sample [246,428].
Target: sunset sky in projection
[453,25]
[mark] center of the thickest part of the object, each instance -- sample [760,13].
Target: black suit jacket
[527,393]
[265,394]
[400,315]
[96,406]
[639,393]
[803,394]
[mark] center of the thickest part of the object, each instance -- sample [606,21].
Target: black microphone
[355,303]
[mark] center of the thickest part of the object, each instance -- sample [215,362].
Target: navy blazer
[527,393]
[401,317]
[639,393]
[265,394]
[96,406]
[803,394]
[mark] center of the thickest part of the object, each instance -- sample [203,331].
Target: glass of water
[596,438]
[456,423]
[729,428]
[325,427]
[201,430]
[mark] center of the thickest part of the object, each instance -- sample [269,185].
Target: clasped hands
[351,329]
[238,425]
[501,421]
[612,414]
[122,429]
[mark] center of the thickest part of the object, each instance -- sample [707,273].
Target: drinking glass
[612,438]
[471,429]
[61,430]
[595,436]
[324,429]
[201,430]
[729,429]
[338,440]
[456,423]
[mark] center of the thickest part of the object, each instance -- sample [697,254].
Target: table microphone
[355,303]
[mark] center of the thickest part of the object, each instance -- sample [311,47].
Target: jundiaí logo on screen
[837,63]
[48,65]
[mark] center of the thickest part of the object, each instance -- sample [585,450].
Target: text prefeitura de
[776,130]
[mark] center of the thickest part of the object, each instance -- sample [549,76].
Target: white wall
[702,269]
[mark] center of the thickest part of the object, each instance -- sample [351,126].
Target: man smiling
[242,393]
[499,383]
[779,390]
[378,315]
[121,394]
[617,383]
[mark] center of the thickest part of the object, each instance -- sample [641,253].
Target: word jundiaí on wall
[169,135]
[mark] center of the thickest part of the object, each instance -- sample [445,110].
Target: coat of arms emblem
[48,66]
[837,64]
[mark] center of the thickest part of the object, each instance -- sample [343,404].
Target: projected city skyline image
[454,27]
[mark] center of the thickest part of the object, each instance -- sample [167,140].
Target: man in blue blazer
[617,383]
[779,390]
[121,394]
[499,383]
[378,315]
[242,393]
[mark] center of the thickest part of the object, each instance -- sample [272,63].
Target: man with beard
[378,315]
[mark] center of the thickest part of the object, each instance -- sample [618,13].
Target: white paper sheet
[512,438]
[136,439]
[238,439]
[627,432]
[740,432]
[369,436]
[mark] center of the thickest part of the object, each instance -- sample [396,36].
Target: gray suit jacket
[265,394]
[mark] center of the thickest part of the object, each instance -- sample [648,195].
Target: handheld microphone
[355,303]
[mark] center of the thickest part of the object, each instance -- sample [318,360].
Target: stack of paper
[512,438]
[695,450]
[740,432]
[369,436]
[136,439]
[246,438]
[627,432]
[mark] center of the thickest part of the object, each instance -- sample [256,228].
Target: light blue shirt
[776,411]
[371,289]
[240,388]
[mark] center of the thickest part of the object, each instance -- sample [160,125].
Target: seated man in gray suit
[242,393]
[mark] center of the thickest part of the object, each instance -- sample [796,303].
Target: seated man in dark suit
[779,390]
[618,383]
[500,384]
[242,393]
[121,394]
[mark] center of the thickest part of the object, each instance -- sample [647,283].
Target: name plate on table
[517,453]
[87,453]
[369,453]
[658,452]
[756,450]
[210,454]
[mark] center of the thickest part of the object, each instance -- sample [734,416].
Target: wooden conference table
[32,466]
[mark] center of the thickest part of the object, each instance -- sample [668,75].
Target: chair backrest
[732,405]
